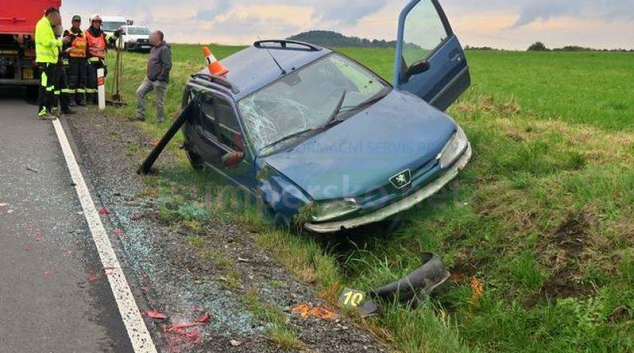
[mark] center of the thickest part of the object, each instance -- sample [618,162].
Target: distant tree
[334,39]
[538,46]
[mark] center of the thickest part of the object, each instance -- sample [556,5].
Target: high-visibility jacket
[76,48]
[46,44]
[96,45]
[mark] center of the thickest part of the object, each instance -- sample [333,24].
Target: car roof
[253,68]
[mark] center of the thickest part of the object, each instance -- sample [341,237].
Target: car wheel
[195,160]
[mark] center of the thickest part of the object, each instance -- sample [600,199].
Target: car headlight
[453,149]
[324,211]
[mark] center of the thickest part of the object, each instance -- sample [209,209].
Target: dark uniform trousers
[46,97]
[91,87]
[61,91]
[77,72]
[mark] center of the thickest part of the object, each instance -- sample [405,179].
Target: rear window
[138,31]
[111,26]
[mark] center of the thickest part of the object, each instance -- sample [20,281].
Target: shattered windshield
[307,99]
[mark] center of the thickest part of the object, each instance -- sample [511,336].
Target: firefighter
[76,56]
[47,48]
[62,94]
[97,42]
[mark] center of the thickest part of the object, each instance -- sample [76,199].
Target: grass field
[539,241]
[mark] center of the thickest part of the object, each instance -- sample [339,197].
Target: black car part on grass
[422,281]
[411,288]
[146,167]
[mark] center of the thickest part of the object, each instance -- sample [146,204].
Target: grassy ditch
[538,232]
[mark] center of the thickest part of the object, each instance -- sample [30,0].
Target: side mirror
[416,68]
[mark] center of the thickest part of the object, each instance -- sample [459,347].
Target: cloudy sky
[498,23]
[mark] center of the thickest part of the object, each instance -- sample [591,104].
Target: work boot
[48,117]
[81,103]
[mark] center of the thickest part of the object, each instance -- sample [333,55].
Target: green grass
[543,221]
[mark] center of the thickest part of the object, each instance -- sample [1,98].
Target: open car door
[430,62]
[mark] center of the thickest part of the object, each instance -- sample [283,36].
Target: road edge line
[138,332]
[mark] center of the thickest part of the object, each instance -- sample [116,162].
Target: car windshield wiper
[365,103]
[289,137]
[337,110]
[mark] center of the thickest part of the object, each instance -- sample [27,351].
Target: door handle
[454,55]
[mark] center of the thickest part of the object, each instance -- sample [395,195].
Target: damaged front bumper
[397,207]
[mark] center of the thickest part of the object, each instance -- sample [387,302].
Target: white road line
[137,331]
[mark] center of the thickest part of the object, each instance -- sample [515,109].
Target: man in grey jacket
[158,72]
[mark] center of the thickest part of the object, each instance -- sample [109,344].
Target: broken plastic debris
[118,232]
[104,211]
[318,312]
[203,319]
[156,315]
[93,278]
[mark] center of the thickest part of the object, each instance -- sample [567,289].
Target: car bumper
[139,46]
[397,207]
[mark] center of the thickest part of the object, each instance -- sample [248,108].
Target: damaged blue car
[315,135]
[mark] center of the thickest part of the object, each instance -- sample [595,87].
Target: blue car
[323,141]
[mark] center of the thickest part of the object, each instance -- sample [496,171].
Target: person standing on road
[76,52]
[158,71]
[47,47]
[97,42]
[62,93]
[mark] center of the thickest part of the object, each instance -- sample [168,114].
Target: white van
[110,24]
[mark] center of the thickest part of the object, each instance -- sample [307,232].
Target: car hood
[399,132]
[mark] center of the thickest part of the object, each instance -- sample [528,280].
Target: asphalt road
[53,295]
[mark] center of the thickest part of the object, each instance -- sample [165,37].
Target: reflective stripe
[68,91]
[91,90]
[50,88]
[94,60]
[57,93]
[81,90]
[42,112]
[44,80]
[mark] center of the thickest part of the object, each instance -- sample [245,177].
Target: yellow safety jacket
[46,45]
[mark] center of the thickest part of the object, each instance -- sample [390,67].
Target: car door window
[228,126]
[424,32]
[208,117]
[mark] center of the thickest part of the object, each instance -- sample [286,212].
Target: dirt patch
[217,269]
[566,251]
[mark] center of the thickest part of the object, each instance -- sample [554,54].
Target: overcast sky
[499,23]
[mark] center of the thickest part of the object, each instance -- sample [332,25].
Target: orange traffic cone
[215,67]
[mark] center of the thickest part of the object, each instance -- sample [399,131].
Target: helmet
[95,17]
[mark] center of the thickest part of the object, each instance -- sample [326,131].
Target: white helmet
[95,17]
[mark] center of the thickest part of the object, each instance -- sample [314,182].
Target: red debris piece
[203,319]
[144,289]
[118,232]
[178,328]
[93,278]
[104,211]
[156,315]
[198,309]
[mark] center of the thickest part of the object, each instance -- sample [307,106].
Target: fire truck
[17,41]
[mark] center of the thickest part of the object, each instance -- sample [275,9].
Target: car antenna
[272,57]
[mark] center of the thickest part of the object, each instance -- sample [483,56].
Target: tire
[195,160]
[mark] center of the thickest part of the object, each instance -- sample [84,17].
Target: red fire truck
[17,41]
